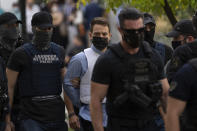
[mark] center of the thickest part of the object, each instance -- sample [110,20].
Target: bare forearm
[10,95]
[172,123]
[68,104]
[164,97]
[164,102]
[96,115]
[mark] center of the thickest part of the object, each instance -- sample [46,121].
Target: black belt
[137,123]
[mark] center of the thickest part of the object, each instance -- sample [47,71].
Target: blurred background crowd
[71,24]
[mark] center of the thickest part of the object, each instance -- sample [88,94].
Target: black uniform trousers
[2,125]
[118,124]
[87,125]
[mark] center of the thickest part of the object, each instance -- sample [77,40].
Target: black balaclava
[42,39]
[8,38]
[149,36]
[100,43]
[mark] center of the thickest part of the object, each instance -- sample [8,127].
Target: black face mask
[9,33]
[100,43]
[42,39]
[149,35]
[134,38]
[8,37]
[175,44]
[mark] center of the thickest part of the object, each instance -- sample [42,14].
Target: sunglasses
[134,31]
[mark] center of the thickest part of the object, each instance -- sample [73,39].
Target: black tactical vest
[138,91]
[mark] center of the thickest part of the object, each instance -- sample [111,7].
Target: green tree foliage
[155,6]
[158,7]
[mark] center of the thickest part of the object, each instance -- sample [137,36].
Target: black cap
[149,19]
[183,27]
[42,20]
[8,18]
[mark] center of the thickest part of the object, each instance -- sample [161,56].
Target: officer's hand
[75,82]
[9,126]
[74,122]
[163,114]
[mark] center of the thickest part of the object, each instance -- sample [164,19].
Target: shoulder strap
[117,50]
[147,49]
[193,63]
[28,48]
[56,49]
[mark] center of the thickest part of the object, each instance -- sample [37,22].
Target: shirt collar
[96,50]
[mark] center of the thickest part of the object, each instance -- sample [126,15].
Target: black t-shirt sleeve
[102,70]
[18,60]
[179,58]
[182,82]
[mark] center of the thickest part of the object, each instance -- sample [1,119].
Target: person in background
[80,67]
[164,50]
[31,9]
[91,11]
[184,37]
[60,30]
[182,33]
[9,33]
[182,98]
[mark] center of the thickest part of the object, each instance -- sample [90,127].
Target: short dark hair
[99,21]
[129,14]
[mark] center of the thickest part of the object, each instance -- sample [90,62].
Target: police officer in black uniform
[182,33]
[183,97]
[38,69]
[9,33]
[164,50]
[186,51]
[130,74]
